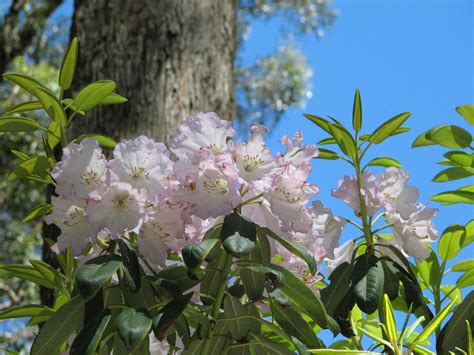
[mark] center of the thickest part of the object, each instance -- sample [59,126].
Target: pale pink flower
[395,194]
[82,170]
[342,254]
[70,216]
[296,153]
[120,209]
[142,163]
[205,130]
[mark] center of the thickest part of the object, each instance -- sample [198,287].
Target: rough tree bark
[170,58]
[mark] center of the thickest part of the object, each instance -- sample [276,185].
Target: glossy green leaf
[252,281]
[357,112]
[344,140]
[327,154]
[238,245]
[434,323]
[38,212]
[466,280]
[460,158]
[463,265]
[93,94]
[389,321]
[292,323]
[387,128]
[104,141]
[451,241]
[23,81]
[27,273]
[450,136]
[340,282]
[293,248]
[422,140]
[87,341]
[133,326]
[239,328]
[467,112]
[179,275]
[454,333]
[326,141]
[368,279]
[450,197]
[113,99]
[29,310]
[234,223]
[384,161]
[131,267]
[33,166]
[195,254]
[168,315]
[455,173]
[56,331]
[18,124]
[269,347]
[320,122]
[51,105]
[399,130]
[96,273]
[341,352]
[391,285]
[213,277]
[429,269]
[25,107]
[68,66]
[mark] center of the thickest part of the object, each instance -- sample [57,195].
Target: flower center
[285,195]
[90,177]
[220,186]
[139,172]
[121,201]
[73,216]
[252,162]
[214,148]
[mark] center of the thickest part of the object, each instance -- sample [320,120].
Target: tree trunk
[170,58]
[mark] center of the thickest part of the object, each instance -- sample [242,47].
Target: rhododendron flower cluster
[171,196]
[411,221]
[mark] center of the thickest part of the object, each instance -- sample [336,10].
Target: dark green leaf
[133,326]
[179,275]
[68,66]
[384,161]
[451,241]
[327,154]
[391,284]
[87,341]
[131,268]
[340,282]
[235,223]
[93,94]
[104,141]
[18,124]
[167,315]
[387,128]
[28,310]
[238,245]
[357,112]
[37,212]
[212,278]
[252,281]
[450,136]
[25,107]
[195,254]
[95,273]
[238,328]
[467,112]
[368,280]
[56,331]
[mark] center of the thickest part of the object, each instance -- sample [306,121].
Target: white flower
[82,170]
[119,210]
[204,131]
[253,159]
[296,153]
[70,216]
[395,194]
[342,254]
[142,163]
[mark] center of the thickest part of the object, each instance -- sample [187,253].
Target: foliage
[248,281]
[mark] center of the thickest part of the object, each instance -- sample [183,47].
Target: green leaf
[466,279]
[269,347]
[450,197]
[252,281]
[320,122]
[131,267]
[326,141]
[27,273]
[327,154]
[453,174]
[68,66]
[434,324]
[18,124]
[399,130]
[195,254]
[453,292]
[239,328]
[113,99]
[25,107]
[389,321]
[20,155]
[341,352]
[234,223]
[23,81]
[238,245]
[430,270]
[52,105]
[179,275]
[293,248]
[33,166]
[460,158]
[104,141]
[292,323]
[53,134]
[391,285]
[168,315]
[48,272]
[357,112]
[387,128]
[463,265]
[93,94]
[133,326]
[56,331]
[368,279]
[454,333]
[95,273]
[38,212]
[467,112]
[384,161]
[422,140]
[340,282]
[213,277]
[297,291]
[450,136]
[28,310]
[87,341]
[451,241]
[344,140]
